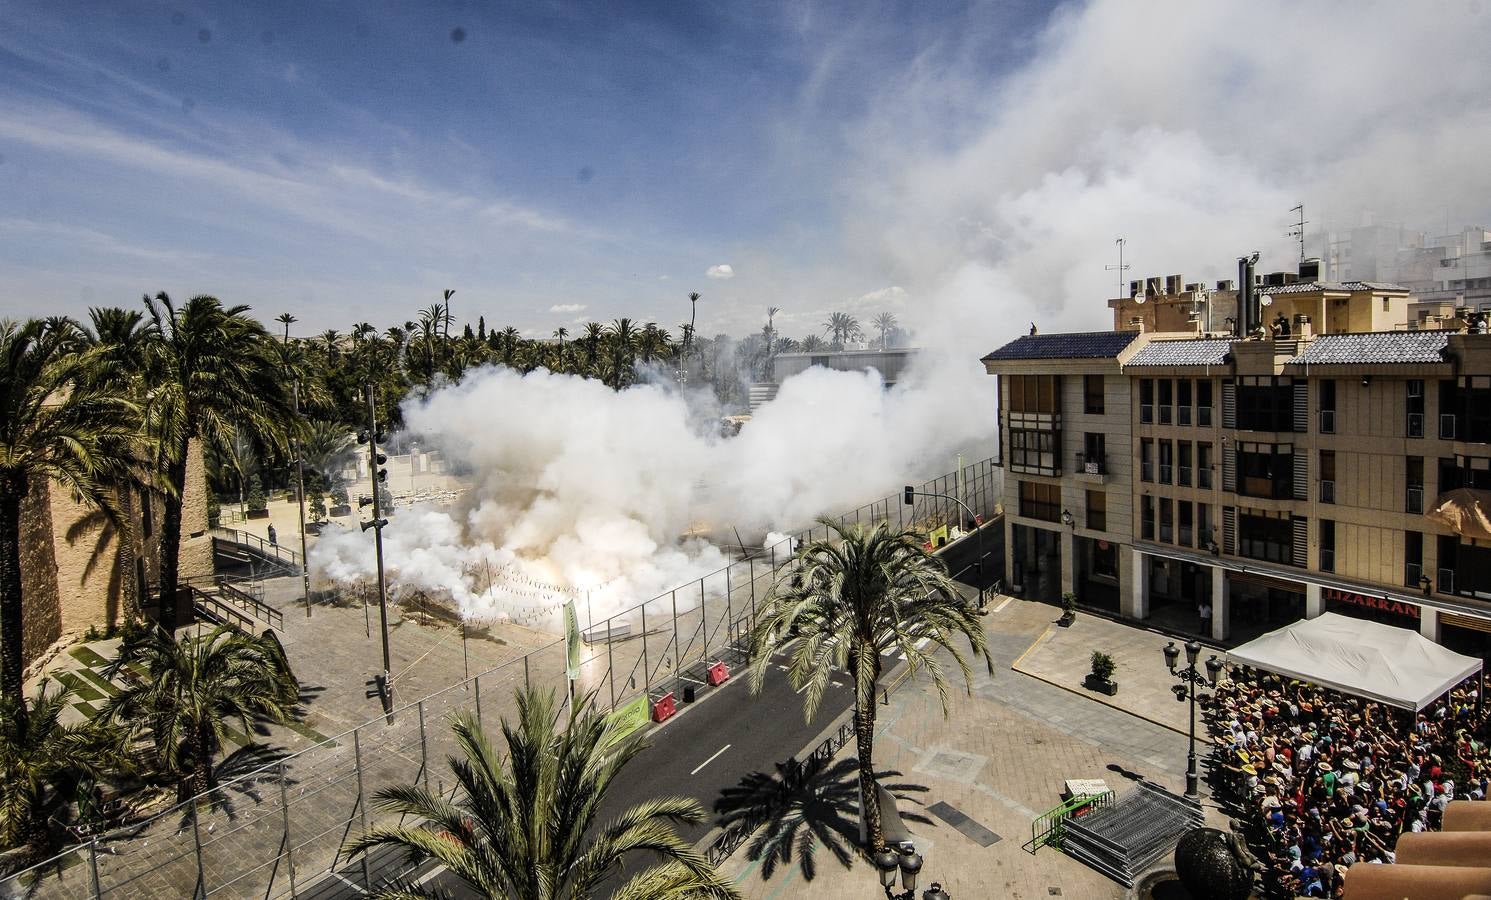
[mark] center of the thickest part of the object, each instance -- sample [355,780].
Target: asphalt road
[711,744]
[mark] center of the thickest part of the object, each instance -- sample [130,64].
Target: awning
[1466,511]
[1396,666]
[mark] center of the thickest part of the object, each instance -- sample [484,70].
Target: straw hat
[1248,768]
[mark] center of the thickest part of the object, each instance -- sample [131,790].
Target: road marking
[712,758]
[1007,601]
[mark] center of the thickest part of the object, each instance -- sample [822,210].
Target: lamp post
[909,863]
[911,493]
[383,684]
[1190,679]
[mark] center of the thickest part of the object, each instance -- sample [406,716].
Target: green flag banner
[571,641]
[628,718]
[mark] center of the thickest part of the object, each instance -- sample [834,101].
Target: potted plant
[1101,676]
[340,505]
[1068,610]
[258,507]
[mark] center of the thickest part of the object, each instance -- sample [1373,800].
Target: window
[1265,470]
[1265,403]
[1203,403]
[1265,538]
[1033,452]
[1167,521]
[1203,464]
[1187,527]
[1327,545]
[1204,533]
[1183,402]
[1040,501]
[1384,304]
[1092,394]
[1146,459]
[1146,517]
[1414,502]
[1415,423]
[1327,406]
[147,515]
[1033,393]
[1449,474]
[1327,476]
[1183,473]
[1449,406]
[1097,510]
[1094,455]
[1475,409]
[1413,557]
[1146,400]
[1167,460]
[1166,394]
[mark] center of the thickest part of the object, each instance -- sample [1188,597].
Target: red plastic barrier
[718,674]
[664,708]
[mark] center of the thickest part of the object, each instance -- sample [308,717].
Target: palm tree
[215,374]
[848,600]
[42,759]
[594,332]
[526,824]
[287,320]
[623,351]
[561,333]
[885,323]
[192,687]
[841,326]
[55,424]
[810,343]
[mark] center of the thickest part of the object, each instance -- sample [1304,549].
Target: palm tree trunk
[126,557]
[864,739]
[12,662]
[170,541]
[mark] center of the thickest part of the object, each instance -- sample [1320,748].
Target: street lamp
[909,862]
[1066,518]
[1189,680]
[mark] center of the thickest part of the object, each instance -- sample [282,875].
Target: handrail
[253,604]
[253,540]
[1046,829]
[216,609]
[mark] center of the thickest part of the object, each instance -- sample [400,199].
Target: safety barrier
[1047,827]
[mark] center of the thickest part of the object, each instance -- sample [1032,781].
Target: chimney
[1302,328]
[1250,316]
[1136,323]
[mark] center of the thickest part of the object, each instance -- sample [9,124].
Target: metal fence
[274,831]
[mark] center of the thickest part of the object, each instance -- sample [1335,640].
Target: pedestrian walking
[273,537]
[1205,618]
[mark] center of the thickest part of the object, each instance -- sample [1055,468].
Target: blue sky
[349,161]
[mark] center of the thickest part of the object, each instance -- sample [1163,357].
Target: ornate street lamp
[1189,680]
[909,863]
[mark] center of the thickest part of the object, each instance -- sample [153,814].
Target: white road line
[1000,607]
[712,758]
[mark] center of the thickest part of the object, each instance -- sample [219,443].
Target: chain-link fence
[276,829]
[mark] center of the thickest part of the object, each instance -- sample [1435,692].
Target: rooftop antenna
[1298,231]
[1121,268]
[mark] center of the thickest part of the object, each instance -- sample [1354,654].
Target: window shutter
[1301,406]
[1301,548]
[1229,403]
[1301,469]
[1229,530]
[1229,468]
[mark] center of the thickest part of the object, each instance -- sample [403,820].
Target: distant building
[1445,273]
[1200,480]
[891,364]
[72,576]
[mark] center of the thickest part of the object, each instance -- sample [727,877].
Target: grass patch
[88,710]
[102,683]
[87,656]
[308,732]
[80,688]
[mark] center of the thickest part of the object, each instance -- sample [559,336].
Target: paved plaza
[1000,758]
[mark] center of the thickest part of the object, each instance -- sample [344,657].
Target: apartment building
[1206,482]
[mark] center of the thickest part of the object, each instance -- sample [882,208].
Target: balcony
[1327,491]
[1092,469]
[1414,502]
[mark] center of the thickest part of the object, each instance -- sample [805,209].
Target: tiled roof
[1382,347]
[1305,287]
[1198,352]
[1085,345]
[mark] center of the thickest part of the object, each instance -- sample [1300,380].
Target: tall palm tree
[286,320]
[810,343]
[623,337]
[55,424]
[526,822]
[215,373]
[560,334]
[190,690]
[41,759]
[841,327]
[885,323]
[850,598]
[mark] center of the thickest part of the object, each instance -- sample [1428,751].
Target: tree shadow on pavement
[801,807]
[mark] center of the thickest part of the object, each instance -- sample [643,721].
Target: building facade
[1211,484]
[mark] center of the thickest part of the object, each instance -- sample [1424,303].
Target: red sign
[1381,604]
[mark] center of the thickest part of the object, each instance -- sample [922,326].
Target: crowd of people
[1326,781]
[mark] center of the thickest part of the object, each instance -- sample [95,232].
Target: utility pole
[305,560]
[1121,268]
[383,687]
[1298,231]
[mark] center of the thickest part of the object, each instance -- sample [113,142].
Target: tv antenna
[1298,231]
[1121,268]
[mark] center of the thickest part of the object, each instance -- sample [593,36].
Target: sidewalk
[1000,759]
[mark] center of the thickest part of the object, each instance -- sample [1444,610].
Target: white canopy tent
[1391,665]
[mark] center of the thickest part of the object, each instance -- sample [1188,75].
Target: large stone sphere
[1208,869]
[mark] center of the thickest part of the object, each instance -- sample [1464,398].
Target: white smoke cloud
[721,272]
[567,308]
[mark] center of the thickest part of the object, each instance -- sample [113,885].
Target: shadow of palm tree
[800,807]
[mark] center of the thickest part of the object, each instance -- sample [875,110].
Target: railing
[1327,491]
[1414,502]
[1327,421]
[272,832]
[1203,477]
[1096,464]
[251,604]
[265,548]
[1046,830]
[215,610]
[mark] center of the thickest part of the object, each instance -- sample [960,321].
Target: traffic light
[910,495]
